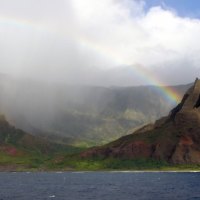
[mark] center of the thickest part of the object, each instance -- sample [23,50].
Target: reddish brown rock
[175,138]
[10,150]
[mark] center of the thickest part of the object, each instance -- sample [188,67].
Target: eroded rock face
[134,149]
[187,151]
[175,138]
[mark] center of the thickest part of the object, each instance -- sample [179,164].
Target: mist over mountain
[80,115]
[173,138]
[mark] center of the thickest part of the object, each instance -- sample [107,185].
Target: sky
[107,42]
[184,8]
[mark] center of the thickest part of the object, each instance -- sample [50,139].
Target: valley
[113,113]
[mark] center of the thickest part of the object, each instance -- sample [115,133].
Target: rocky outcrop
[175,138]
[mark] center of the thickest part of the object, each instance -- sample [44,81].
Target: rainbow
[168,91]
[107,52]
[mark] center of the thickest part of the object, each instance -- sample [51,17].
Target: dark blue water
[100,186]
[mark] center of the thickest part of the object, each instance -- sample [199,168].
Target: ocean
[99,186]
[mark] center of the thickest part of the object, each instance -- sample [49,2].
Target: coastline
[98,171]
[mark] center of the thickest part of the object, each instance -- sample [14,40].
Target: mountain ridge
[82,116]
[21,151]
[174,138]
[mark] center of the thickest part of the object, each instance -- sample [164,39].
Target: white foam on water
[191,171]
[52,196]
[127,171]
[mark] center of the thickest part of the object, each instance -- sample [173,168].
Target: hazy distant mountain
[175,138]
[80,115]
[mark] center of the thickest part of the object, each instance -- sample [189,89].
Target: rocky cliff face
[175,138]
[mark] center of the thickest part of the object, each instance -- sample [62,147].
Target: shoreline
[99,171]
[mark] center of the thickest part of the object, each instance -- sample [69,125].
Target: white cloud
[67,38]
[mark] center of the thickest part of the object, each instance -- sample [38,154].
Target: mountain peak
[193,96]
[190,101]
[175,139]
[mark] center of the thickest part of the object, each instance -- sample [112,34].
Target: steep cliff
[175,138]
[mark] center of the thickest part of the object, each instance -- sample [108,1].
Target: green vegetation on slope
[81,115]
[20,150]
[63,161]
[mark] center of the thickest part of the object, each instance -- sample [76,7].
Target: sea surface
[100,186]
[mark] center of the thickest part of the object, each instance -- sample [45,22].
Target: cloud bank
[97,42]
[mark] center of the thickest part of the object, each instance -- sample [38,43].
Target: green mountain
[80,115]
[174,139]
[22,151]
[171,140]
